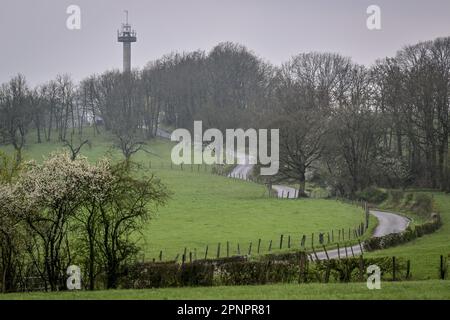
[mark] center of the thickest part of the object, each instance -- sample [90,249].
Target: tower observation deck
[126,35]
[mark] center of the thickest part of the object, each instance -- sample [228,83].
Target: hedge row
[354,269]
[409,234]
[267,270]
[162,275]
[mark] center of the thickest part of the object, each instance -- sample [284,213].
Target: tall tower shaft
[126,35]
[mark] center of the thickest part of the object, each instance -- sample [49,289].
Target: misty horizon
[41,46]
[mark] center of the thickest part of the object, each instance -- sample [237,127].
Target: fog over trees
[346,126]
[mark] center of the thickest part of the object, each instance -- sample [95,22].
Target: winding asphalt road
[387,222]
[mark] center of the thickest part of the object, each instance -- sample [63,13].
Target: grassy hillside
[206,209]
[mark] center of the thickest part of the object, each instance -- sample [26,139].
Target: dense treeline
[342,125]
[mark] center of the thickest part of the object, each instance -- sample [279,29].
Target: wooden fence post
[339,251]
[393,269]
[259,245]
[326,252]
[281,241]
[408,269]
[315,254]
[361,268]
[360,246]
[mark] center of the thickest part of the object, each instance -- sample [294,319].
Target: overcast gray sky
[36,42]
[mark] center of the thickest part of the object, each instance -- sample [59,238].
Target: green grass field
[415,290]
[207,209]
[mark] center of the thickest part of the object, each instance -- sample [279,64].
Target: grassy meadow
[408,290]
[207,209]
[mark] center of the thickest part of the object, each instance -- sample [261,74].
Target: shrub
[372,195]
[268,270]
[196,273]
[151,275]
[354,269]
[395,197]
[257,272]
[160,275]
[422,204]
[293,257]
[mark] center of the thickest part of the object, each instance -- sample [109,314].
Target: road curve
[387,222]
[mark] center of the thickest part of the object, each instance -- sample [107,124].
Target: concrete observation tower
[126,35]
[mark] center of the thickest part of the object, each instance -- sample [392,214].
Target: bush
[395,197]
[161,275]
[354,269]
[271,269]
[292,257]
[417,203]
[151,275]
[422,205]
[257,272]
[196,273]
[372,195]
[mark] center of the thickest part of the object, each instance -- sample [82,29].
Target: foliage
[265,271]
[372,195]
[64,210]
[419,204]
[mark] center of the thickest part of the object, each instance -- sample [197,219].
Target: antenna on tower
[126,35]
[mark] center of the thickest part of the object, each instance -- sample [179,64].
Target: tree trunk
[302,186]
